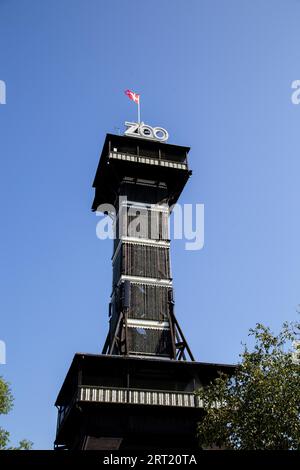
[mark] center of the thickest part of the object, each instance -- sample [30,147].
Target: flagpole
[139,111]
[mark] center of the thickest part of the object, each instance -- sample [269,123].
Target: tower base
[131,403]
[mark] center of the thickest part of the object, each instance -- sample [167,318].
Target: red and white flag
[133,96]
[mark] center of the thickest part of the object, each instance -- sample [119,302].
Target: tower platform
[131,403]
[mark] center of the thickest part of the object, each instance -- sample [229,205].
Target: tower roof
[139,159]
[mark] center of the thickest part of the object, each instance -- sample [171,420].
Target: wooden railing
[148,160]
[138,397]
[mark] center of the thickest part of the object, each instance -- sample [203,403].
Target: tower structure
[140,392]
[142,179]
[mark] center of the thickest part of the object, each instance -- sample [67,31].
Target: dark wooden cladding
[141,223]
[142,261]
[146,261]
[149,302]
[145,192]
[150,341]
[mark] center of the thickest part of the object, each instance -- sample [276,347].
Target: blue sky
[218,76]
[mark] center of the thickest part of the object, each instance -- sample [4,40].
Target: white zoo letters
[143,131]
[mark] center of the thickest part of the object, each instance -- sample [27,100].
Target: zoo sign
[143,131]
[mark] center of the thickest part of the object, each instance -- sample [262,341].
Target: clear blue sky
[218,76]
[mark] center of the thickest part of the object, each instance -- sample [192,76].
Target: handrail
[151,160]
[133,396]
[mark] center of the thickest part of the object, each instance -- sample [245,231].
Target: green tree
[258,407]
[6,404]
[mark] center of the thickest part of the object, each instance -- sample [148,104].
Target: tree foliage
[259,406]
[6,404]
